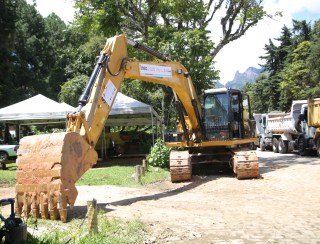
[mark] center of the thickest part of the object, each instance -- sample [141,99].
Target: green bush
[159,155]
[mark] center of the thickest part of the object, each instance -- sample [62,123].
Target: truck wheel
[3,156]
[262,146]
[275,147]
[318,147]
[252,146]
[302,147]
[282,146]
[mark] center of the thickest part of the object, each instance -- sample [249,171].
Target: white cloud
[244,52]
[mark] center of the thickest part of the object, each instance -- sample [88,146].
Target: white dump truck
[286,128]
[263,134]
[280,131]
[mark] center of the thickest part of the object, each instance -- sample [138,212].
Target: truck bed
[282,124]
[314,112]
[287,123]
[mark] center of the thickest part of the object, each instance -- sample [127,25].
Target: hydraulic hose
[148,50]
[86,93]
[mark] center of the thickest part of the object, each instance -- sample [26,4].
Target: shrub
[159,155]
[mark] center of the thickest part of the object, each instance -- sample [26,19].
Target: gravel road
[282,206]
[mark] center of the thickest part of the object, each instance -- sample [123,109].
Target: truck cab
[263,134]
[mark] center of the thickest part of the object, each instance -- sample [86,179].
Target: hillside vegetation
[292,69]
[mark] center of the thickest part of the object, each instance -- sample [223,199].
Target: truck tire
[3,156]
[282,146]
[302,147]
[252,146]
[275,145]
[318,147]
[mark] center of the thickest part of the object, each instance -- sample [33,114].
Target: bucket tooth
[63,207]
[44,205]
[26,203]
[53,206]
[35,205]
[48,167]
[19,205]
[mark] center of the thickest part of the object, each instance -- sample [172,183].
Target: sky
[240,54]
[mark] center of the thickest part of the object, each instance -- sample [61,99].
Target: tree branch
[234,11]
[216,7]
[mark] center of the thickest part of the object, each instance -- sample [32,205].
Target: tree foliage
[71,89]
[159,155]
[136,18]
[33,50]
[292,69]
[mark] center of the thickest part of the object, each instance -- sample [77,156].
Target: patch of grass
[8,176]
[112,230]
[121,176]
[113,175]
[154,174]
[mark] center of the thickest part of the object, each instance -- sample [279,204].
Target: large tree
[30,52]
[275,59]
[313,61]
[292,68]
[176,27]
[136,17]
[7,34]
[295,76]
[34,52]
[57,43]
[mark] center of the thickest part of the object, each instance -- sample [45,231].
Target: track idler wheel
[180,166]
[245,164]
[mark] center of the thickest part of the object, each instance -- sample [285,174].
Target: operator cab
[224,113]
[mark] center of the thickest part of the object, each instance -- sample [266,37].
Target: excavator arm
[49,165]
[112,67]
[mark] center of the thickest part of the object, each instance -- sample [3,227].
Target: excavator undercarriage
[244,163]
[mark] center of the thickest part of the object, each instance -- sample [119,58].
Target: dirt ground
[282,206]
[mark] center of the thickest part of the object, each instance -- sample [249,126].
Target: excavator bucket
[48,167]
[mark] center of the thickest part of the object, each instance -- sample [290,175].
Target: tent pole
[17,128]
[162,130]
[156,128]
[151,112]
[19,132]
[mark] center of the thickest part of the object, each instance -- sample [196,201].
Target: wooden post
[141,170]
[144,165]
[137,173]
[3,165]
[92,215]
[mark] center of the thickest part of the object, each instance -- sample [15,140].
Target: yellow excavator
[219,130]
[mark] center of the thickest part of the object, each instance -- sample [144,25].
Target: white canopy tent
[39,109]
[125,111]
[128,111]
[35,110]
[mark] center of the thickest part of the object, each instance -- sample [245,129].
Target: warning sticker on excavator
[155,70]
[109,93]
